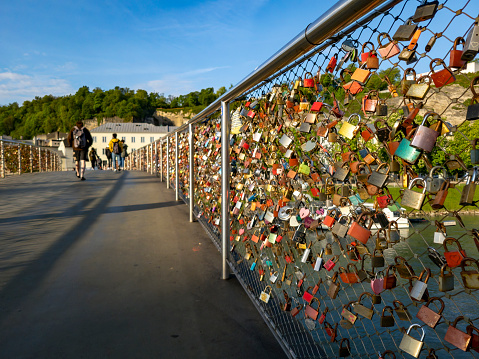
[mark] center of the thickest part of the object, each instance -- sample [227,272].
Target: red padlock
[443,77]
[331,263]
[332,63]
[455,55]
[453,258]
[308,81]
[323,316]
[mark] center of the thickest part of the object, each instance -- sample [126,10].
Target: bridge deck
[111,268]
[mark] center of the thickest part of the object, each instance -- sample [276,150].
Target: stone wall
[171,118]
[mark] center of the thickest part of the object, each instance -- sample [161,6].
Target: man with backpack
[116,148]
[80,139]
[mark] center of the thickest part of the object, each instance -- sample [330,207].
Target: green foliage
[47,114]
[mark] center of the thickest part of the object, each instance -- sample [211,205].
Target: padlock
[453,258]
[329,265]
[433,184]
[273,277]
[446,280]
[406,84]
[414,199]
[334,286]
[370,101]
[377,284]
[440,233]
[266,294]
[295,311]
[427,315]
[377,261]
[457,337]
[468,191]
[473,109]
[401,311]
[308,81]
[329,249]
[361,309]
[387,320]
[349,317]
[474,343]
[393,235]
[470,278]
[425,137]
[348,130]
[411,345]
[331,331]
[425,11]
[344,349]
[441,196]
[442,77]
[286,307]
[332,63]
[310,311]
[318,264]
[419,89]
[357,231]
[418,290]
[390,280]
[381,108]
[474,152]
[455,60]
[471,48]
[341,229]
[387,354]
[406,152]
[377,178]
[369,58]
[390,49]
[300,234]
[405,32]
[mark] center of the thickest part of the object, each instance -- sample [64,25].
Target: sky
[170,47]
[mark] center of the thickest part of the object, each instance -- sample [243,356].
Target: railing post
[31,159]
[156,156]
[39,159]
[2,159]
[191,167]
[167,162]
[225,186]
[161,161]
[19,159]
[177,168]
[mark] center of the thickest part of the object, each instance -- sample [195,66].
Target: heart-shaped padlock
[303,213]
[377,284]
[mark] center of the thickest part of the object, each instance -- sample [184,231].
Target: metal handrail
[340,15]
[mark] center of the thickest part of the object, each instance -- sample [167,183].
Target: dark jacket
[89,139]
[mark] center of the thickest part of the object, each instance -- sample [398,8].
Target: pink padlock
[303,213]
[241,231]
[331,262]
[377,284]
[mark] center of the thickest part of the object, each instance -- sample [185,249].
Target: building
[136,135]
[50,140]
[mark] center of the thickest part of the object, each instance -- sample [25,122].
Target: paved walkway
[111,268]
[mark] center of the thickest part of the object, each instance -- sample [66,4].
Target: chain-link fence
[17,158]
[352,204]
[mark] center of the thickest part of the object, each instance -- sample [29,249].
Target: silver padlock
[471,47]
[319,261]
[414,199]
[273,277]
[433,185]
[420,286]
[468,191]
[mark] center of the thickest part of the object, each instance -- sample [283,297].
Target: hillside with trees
[48,113]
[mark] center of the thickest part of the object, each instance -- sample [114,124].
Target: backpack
[116,148]
[79,138]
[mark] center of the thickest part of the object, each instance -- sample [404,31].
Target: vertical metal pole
[177,167]
[167,162]
[156,156]
[192,171]
[2,159]
[39,159]
[161,161]
[225,186]
[152,158]
[19,159]
[31,159]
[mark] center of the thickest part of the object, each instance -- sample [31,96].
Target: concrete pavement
[111,268]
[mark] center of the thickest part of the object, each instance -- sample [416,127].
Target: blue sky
[174,47]
[171,47]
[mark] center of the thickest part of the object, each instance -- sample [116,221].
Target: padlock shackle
[427,115]
[383,35]
[417,326]
[432,299]
[448,240]
[469,259]
[413,181]
[389,309]
[459,40]
[408,71]
[426,271]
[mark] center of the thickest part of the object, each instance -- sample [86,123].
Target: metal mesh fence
[353,189]
[18,158]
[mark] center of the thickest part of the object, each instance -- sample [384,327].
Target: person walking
[116,149]
[108,157]
[80,139]
[124,154]
[93,157]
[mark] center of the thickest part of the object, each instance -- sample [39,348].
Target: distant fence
[340,257]
[17,157]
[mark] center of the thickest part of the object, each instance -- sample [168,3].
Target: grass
[451,203]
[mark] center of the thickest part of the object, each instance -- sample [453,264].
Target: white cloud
[15,87]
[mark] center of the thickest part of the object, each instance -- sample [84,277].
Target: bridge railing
[17,157]
[296,172]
